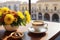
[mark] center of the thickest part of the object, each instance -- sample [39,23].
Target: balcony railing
[50,10]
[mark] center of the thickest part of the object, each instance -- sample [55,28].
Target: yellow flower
[27,12]
[0,13]
[5,10]
[28,18]
[9,18]
[20,14]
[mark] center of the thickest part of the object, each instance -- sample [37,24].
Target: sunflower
[9,18]
[28,18]
[5,9]
[20,14]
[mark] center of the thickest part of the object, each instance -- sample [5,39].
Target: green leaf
[23,23]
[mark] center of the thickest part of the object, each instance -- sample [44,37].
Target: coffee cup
[38,25]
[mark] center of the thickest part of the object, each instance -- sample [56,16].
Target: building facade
[13,5]
[48,10]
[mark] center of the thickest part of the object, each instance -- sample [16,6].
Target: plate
[40,30]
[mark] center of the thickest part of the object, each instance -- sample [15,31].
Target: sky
[33,1]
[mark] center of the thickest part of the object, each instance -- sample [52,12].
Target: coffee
[38,23]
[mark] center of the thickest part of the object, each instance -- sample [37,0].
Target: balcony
[50,11]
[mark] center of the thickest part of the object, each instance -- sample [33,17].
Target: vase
[10,28]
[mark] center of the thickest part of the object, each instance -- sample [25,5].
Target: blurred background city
[46,10]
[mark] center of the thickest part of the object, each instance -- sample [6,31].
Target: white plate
[40,30]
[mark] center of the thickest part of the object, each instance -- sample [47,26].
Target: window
[32,11]
[9,6]
[39,8]
[55,8]
[15,7]
[33,16]
[23,9]
[40,16]
[55,17]
[46,17]
[46,8]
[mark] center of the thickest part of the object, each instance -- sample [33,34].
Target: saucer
[40,30]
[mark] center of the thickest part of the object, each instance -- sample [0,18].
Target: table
[27,35]
[53,28]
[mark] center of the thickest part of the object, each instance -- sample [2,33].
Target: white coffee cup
[37,25]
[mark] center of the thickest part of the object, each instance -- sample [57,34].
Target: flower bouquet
[11,19]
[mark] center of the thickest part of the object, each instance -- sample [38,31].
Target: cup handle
[45,25]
